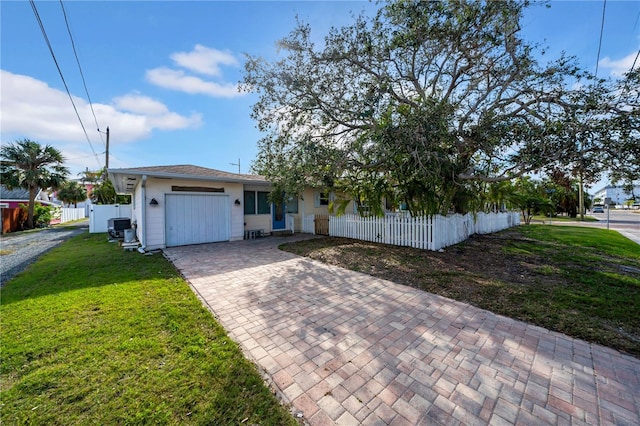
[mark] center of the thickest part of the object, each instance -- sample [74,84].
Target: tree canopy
[72,193]
[103,191]
[29,165]
[425,104]
[621,155]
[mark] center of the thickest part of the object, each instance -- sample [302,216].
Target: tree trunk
[31,207]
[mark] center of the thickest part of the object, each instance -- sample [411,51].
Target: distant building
[617,194]
[11,199]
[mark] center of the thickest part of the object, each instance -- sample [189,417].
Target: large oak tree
[425,104]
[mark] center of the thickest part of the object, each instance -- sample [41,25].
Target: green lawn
[95,335]
[559,219]
[580,281]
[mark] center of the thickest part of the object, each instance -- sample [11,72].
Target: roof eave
[119,176]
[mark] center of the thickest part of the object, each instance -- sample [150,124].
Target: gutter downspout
[143,228]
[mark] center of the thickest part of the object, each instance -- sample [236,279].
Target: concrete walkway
[346,348]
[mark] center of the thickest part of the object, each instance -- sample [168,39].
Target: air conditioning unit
[117,225]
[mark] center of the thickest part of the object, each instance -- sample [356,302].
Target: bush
[41,215]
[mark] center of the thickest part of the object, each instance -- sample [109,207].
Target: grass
[72,223]
[93,334]
[545,219]
[583,282]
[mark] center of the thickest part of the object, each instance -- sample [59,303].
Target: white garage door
[197,219]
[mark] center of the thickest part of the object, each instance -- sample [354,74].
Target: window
[249,202]
[389,205]
[292,205]
[263,203]
[361,209]
[256,202]
[321,199]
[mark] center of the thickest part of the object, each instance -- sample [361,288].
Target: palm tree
[72,192]
[29,165]
[91,176]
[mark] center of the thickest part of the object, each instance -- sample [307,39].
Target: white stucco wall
[155,215]
[154,231]
[258,222]
[136,211]
[617,194]
[307,205]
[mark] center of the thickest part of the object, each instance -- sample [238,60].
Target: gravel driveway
[24,248]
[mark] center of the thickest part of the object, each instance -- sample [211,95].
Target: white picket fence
[67,214]
[427,232]
[308,224]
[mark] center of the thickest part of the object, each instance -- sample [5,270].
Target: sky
[163,75]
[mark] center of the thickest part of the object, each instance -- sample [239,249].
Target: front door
[279,215]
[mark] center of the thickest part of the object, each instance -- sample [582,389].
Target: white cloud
[140,104]
[204,60]
[178,80]
[32,109]
[620,66]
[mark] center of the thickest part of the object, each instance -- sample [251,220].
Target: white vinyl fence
[427,232]
[99,215]
[70,213]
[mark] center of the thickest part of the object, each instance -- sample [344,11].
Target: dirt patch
[541,282]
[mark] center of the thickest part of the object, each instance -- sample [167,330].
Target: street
[624,221]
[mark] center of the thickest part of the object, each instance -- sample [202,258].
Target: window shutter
[316,199]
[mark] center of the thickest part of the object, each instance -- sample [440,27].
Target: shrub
[41,215]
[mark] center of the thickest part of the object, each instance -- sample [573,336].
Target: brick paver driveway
[343,347]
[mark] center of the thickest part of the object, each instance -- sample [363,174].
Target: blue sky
[163,75]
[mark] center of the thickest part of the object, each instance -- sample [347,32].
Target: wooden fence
[427,232]
[321,224]
[12,219]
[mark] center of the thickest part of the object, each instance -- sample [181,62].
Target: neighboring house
[10,201]
[617,194]
[186,204]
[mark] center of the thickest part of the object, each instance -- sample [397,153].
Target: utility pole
[107,154]
[581,196]
[238,164]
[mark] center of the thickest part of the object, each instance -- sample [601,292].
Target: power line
[626,83]
[46,39]
[634,61]
[604,7]
[73,45]
[84,156]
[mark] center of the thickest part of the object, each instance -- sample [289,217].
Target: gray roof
[13,194]
[125,180]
